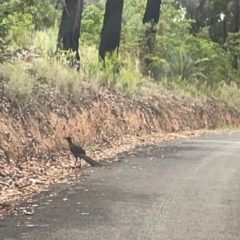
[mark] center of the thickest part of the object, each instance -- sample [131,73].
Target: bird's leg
[80,163]
[75,161]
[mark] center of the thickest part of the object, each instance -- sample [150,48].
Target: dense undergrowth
[192,65]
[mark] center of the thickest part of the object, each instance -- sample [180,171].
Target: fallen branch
[25,185]
[5,184]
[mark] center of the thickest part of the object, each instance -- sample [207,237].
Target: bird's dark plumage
[77,151]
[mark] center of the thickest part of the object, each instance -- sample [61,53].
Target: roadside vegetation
[186,60]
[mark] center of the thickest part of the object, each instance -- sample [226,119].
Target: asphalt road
[186,189]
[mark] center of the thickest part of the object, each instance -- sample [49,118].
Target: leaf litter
[34,176]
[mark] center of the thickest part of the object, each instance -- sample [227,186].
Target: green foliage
[156,66]
[232,45]
[130,77]
[132,27]
[179,54]
[91,24]
[5,54]
[20,30]
[45,41]
[30,81]
[112,65]
[90,65]
[18,20]
[121,73]
[183,66]
[196,63]
[43,14]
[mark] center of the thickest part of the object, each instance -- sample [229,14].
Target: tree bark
[236,27]
[152,12]
[224,30]
[151,15]
[69,30]
[111,31]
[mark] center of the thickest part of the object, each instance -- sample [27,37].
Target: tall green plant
[5,54]
[184,67]
[91,24]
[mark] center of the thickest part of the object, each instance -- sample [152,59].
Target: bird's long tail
[90,161]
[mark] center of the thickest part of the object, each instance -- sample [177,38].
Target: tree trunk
[152,12]
[111,31]
[236,27]
[151,15]
[69,30]
[224,30]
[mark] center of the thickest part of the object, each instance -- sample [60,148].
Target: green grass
[27,80]
[227,127]
[222,93]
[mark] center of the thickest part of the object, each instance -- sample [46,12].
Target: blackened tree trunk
[236,27]
[152,12]
[69,30]
[111,31]
[151,15]
[224,30]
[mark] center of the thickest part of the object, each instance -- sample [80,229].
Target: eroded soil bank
[33,153]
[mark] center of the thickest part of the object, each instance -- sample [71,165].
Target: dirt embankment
[33,153]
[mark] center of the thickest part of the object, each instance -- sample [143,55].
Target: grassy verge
[26,81]
[222,93]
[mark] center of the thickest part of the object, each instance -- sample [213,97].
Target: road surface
[183,190]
